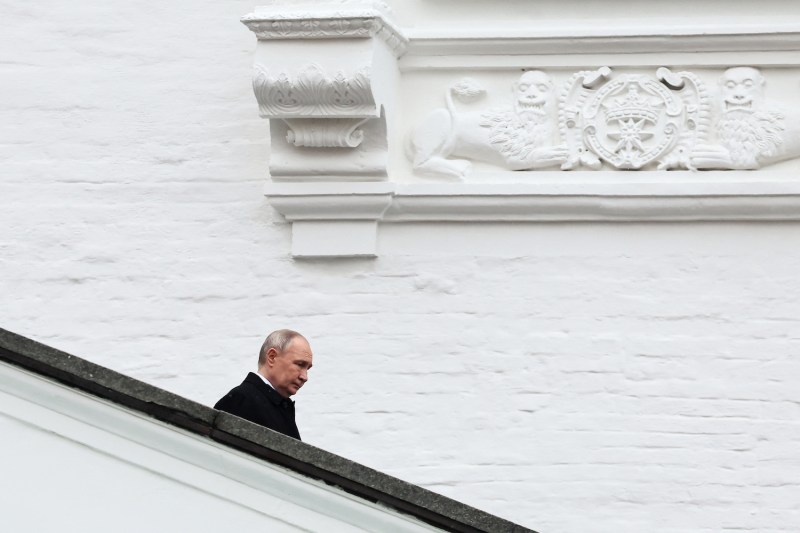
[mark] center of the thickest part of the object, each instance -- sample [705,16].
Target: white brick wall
[573,378]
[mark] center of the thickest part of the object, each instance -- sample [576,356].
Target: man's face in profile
[288,370]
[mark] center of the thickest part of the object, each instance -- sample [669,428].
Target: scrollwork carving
[325,133]
[571,100]
[697,116]
[622,121]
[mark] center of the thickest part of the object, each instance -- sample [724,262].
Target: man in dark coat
[263,397]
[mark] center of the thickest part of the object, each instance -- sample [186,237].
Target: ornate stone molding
[609,120]
[323,20]
[309,92]
[339,104]
[328,133]
[326,77]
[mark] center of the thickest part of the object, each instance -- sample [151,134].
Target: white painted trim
[687,59]
[604,202]
[644,37]
[190,459]
[637,200]
[641,45]
[330,201]
[334,238]
[324,213]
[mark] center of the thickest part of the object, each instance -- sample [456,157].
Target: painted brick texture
[573,378]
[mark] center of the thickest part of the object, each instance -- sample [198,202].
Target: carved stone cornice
[347,20]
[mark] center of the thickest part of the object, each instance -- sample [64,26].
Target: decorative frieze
[605,120]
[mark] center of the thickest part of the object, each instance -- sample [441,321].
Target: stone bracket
[328,71]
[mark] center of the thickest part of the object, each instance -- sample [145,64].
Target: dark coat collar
[268,391]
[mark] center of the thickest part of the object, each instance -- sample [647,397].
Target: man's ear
[272,353]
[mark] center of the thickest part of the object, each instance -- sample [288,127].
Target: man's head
[285,359]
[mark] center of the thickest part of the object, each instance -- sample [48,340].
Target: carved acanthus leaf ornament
[311,93]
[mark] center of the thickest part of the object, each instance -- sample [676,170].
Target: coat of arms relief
[599,119]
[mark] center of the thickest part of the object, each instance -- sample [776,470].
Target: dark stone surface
[104,382]
[258,441]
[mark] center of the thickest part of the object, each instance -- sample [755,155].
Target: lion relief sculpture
[627,121]
[751,131]
[515,137]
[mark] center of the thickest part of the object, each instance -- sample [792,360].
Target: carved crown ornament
[601,119]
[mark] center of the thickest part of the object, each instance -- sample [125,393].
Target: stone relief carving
[312,93]
[622,121]
[625,121]
[697,116]
[517,137]
[321,111]
[751,131]
[325,132]
[572,98]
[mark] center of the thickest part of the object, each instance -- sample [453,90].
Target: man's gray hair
[278,339]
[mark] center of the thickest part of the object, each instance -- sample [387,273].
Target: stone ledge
[644,38]
[592,201]
[342,219]
[250,438]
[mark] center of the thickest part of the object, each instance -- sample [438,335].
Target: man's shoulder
[256,401]
[248,389]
